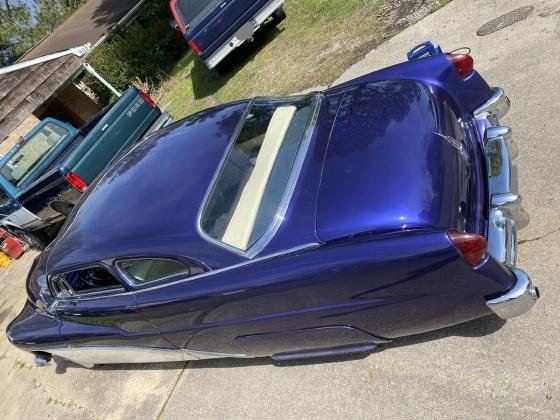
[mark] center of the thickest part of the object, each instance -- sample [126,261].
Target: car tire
[36,240]
[278,15]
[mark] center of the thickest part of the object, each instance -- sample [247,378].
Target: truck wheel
[35,240]
[278,15]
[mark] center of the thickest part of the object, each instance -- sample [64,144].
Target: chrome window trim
[98,293]
[159,285]
[135,283]
[269,233]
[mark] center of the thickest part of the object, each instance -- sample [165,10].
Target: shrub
[145,50]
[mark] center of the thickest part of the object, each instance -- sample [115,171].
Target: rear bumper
[507,214]
[241,35]
[518,300]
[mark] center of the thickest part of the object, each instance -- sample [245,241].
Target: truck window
[189,10]
[33,152]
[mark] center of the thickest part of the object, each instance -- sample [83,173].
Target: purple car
[296,227]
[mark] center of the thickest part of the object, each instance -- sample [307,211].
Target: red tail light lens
[194,46]
[472,247]
[147,98]
[76,181]
[463,63]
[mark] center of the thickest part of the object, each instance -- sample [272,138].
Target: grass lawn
[318,40]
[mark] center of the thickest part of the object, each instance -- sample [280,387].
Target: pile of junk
[11,248]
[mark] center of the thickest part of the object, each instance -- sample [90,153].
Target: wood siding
[22,92]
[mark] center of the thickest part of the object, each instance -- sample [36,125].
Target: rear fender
[435,70]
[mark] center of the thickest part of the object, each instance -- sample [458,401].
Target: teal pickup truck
[45,173]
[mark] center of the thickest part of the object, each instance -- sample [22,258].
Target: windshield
[32,153]
[251,183]
[188,10]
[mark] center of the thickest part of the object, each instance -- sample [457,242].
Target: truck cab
[44,175]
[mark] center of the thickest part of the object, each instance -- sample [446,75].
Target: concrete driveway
[482,369]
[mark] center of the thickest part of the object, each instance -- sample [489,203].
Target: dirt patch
[396,15]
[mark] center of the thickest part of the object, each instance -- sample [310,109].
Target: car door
[101,313]
[256,308]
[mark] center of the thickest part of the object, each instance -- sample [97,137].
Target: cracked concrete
[482,369]
[538,238]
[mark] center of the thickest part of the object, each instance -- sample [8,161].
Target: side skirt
[332,351]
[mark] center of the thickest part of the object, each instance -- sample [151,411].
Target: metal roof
[88,24]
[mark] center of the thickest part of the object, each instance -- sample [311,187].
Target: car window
[249,187]
[34,151]
[144,270]
[87,280]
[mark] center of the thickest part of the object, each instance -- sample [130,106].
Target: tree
[14,36]
[22,25]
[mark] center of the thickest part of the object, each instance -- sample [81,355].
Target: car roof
[147,203]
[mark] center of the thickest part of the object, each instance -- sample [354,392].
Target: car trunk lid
[394,162]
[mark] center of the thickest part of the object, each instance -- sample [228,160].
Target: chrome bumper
[243,33]
[518,300]
[507,214]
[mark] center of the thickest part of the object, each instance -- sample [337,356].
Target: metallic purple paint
[375,155]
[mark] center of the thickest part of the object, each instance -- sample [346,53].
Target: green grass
[312,47]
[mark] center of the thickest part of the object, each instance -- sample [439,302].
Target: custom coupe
[297,227]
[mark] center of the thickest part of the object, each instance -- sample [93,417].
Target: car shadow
[477,328]
[206,82]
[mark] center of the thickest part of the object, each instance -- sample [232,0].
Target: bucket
[12,247]
[5,261]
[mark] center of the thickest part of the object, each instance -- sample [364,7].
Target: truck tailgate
[221,22]
[121,127]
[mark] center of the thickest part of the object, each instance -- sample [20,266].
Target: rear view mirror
[174,25]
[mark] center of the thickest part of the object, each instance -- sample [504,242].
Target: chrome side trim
[284,252]
[520,299]
[89,356]
[232,43]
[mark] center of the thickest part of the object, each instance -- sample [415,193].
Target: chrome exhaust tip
[42,359]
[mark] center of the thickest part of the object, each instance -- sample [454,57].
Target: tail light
[194,46]
[76,181]
[147,98]
[463,63]
[472,247]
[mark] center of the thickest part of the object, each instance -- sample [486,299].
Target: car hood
[147,202]
[391,164]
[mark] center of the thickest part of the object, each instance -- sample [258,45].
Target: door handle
[105,127]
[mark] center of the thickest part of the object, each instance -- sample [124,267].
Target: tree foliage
[142,52]
[23,24]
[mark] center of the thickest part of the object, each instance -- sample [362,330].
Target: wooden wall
[23,91]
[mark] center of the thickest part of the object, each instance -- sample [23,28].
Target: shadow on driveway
[206,82]
[476,328]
